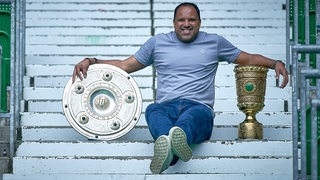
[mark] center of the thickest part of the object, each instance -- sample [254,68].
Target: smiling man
[186,61]
[187,23]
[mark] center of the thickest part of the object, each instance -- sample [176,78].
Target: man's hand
[279,68]
[80,69]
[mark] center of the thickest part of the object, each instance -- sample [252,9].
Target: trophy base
[250,130]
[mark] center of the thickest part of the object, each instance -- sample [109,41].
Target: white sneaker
[163,155]
[179,144]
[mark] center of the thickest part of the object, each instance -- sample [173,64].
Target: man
[186,62]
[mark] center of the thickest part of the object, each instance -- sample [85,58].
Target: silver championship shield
[104,106]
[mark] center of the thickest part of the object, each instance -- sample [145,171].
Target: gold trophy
[251,88]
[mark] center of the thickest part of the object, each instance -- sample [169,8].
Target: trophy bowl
[251,88]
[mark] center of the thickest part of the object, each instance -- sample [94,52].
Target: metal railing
[304,94]
[17,51]
[301,72]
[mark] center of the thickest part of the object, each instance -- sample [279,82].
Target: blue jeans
[194,118]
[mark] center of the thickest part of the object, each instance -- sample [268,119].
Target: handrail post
[0,69]
[314,138]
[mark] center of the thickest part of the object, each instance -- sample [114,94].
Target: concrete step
[78,176]
[140,165]
[117,148]
[36,119]
[46,78]
[221,105]
[241,159]
[66,69]
[127,165]
[223,93]
[142,81]
[142,133]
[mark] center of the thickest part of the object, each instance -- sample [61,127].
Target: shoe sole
[180,146]
[158,163]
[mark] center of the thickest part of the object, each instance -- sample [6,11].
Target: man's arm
[129,65]
[256,59]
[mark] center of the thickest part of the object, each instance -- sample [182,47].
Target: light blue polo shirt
[186,70]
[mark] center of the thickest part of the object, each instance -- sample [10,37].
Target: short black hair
[187,4]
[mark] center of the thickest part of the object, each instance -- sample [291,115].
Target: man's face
[186,24]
